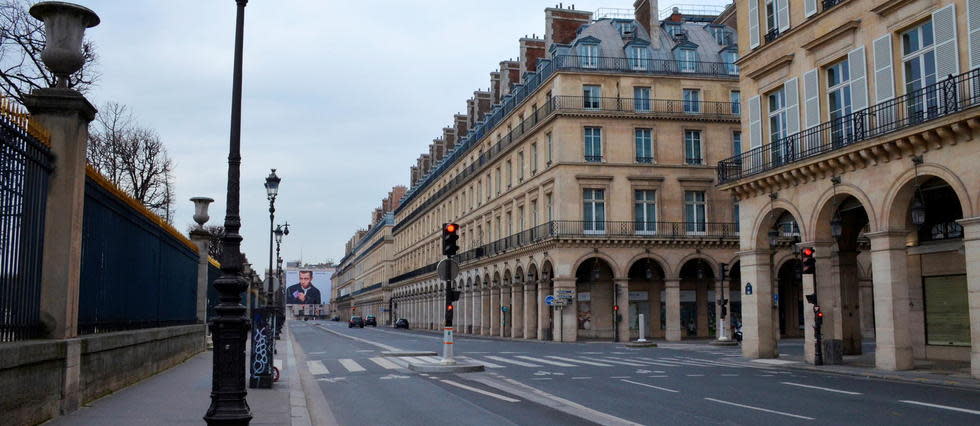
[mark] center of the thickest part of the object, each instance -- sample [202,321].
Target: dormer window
[729,57]
[638,57]
[722,36]
[625,28]
[686,59]
[588,55]
[674,30]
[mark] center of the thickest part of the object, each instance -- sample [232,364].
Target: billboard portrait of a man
[303,293]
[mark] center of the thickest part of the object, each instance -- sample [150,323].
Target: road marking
[388,365]
[544,361]
[510,361]
[432,359]
[729,375]
[760,409]
[316,353]
[580,378]
[485,363]
[619,377]
[480,391]
[820,388]
[393,376]
[351,365]
[657,376]
[597,364]
[331,379]
[945,407]
[695,375]
[317,367]
[631,364]
[651,386]
[366,350]
[774,361]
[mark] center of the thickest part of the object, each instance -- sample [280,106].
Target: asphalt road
[542,383]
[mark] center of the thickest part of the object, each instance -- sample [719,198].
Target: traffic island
[408,353]
[459,367]
[641,345]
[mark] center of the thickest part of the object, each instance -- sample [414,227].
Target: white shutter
[944,35]
[884,77]
[973,23]
[782,13]
[811,97]
[792,90]
[755,122]
[754,23]
[859,81]
[809,8]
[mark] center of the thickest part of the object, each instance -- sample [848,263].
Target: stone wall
[31,375]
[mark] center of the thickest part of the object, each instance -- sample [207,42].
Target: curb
[873,374]
[440,368]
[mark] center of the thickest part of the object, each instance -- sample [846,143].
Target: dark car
[371,320]
[401,323]
[355,321]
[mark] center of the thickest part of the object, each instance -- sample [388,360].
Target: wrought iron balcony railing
[660,107]
[654,66]
[644,160]
[773,34]
[952,95]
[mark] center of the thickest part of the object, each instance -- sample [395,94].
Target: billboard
[308,286]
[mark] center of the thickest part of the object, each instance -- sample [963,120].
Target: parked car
[401,323]
[371,320]
[335,318]
[355,321]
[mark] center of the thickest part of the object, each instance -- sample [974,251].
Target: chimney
[460,125]
[532,49]
[426,160]
[646,13]
[415,176]
[510,74]
[495,87]
[561,25]
[449,135]
[482,104]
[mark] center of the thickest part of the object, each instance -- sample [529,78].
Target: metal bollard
[643,329]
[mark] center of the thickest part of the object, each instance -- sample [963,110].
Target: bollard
[643,329]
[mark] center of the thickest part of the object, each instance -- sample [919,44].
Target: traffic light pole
[447,329]
[809,284]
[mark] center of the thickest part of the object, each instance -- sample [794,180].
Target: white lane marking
[432,359]
[388,365]
[510,361]
[774,361]
[693,363]
[317,367]
[616,361]
[945,407]
[316,353]
[662,362]
[541,378]
[729,375]
[485,363]
[760,409]
[658,376]
[651,386]
[722,364]
[544,361]
[597,364]
[480,391]
[620,377]
[820,388]
[351,365]
[695,375]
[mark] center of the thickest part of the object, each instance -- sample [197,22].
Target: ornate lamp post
[280,299]
[271,190]
[228,405]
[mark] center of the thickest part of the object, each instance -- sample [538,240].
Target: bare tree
[21,43]
[216,232]
[133,158]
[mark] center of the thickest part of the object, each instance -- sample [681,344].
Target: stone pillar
[673,305]
[622,324]
[566,320]
[202,239]
[517,309]
[701,304]
[474,326]
[893,340]
[850,302]
[655,309]
[486,325]
[65,114]
[758,336]
[867,308]
[809,334]
[971,244]
[828,288]
[544,311]
[530,310]
[495,311]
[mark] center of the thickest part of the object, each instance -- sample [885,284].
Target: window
[534,213]
[919,65]
[735,214]
[594,211]
[645,211]
[692,147]
[520,166]
[722,36]
[637,56]
[510,224]
[593,144]
[497,182]
[729,57]
[839,94]
[589,55]
[479,192]
[736,99]
[548,206]
[686,59]
[510,174]
[777,125]
[624,27]
[548,138]
[644,145]
[736,142]
[692,101]
[641,99]
[591,95]
[673,29]
[694,212]
[520,218]
[772,22]
[534,157]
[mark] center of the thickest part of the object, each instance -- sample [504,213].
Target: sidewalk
[182,395]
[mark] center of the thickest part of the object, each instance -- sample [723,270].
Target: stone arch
[899,196]
[784,257]
[764,222]
[613,265]
[664,264]
[507,278]
[825,206]
[532,270]
[712,263]
[518,275]
[495,282]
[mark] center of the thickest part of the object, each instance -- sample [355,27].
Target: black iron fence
[954,94]
[648,66]
[25,165]
[661,107]
[137,272]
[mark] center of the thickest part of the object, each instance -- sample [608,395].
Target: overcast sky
[339,96]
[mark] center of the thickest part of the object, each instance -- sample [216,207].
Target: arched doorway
[837,280]
[646,282]
[595,299]
[790,280]
[697,281]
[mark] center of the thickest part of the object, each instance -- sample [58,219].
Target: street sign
[448,269]
[549,300]
[748,288]
[504,308]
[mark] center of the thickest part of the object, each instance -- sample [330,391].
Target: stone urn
[64,28]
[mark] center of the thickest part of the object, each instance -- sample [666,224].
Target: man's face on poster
[305,279]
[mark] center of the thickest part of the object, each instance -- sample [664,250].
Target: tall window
[692,147]
[520,218]
[919,64]
[534,157]
[510,224]
[510,173]
[736,98]
[673,29]
[497,183]
[637,56]
[692,101]
[772,22]
[624,27]
[722,37]
[591,96]
[548,138]
[488,186]
[839,94]
[589,55]
[737,142]
[694,212]
[520,166]
[686,59]
[593,144]
[735,214]
[534,213]
[644,145]
[645,211]
[777,125]
[548,206]
[594,211]
[641,99]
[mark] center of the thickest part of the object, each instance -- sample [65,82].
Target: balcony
[950,96]
[646,66]
[644,160]
[772,35]
[666,108]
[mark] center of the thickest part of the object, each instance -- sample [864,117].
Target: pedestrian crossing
[344,366]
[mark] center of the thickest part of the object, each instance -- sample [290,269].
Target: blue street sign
[748,288]
[549,300]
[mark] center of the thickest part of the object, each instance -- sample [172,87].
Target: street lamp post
[280,300]
[228,405]
[271,190]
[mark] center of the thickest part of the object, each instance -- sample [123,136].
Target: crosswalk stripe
[643,361]
[388,365]
[317,367]
[724,364]
[431,359]
[544,361]
[351,365]
[597,364]
[485,363]
[510,361]
[400,361]
[616,361]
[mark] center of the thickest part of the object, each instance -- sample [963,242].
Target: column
[655,309]
[486,319]
[828,289]
[517,307]
[971,244]
[893,341]
[202,239]
[474,325]
[758,339]
[622,324]
[850,302]
[495,311]
[673,306]
[867,308]
[544,320]
[566,319]
[530,310]
[460,317]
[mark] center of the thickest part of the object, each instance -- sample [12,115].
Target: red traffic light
[808,251]
[615,307]
[449,307]
[820,314]
[451,227]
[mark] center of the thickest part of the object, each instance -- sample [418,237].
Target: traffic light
[449,237]
[724,271]
[809,263]
[817,317]
[451,296]
[811,298]
[616,308]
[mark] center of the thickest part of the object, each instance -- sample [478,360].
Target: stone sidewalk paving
[182,394]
